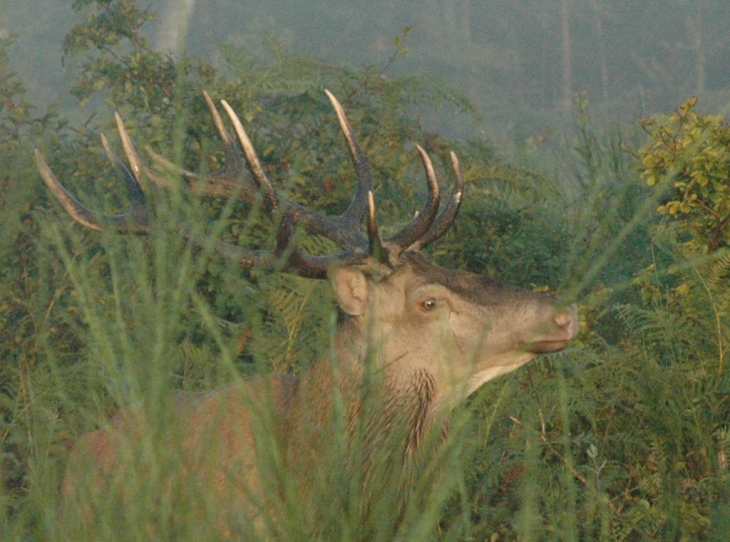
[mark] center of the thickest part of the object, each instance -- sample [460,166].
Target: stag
[431,335]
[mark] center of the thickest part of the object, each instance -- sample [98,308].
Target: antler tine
[423,220]
[447,216]
[73,207]
[161,180]
[135,221]
[220,184]
[129,151]
[134,190]
[228,143]
[375,245]
[252,159]
[359,204]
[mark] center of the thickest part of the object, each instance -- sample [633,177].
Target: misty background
[521,62]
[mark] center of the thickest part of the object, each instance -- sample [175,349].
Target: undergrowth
[623,436]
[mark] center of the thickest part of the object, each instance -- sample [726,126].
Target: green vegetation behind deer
[622,436]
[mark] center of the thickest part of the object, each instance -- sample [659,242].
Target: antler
[344,230]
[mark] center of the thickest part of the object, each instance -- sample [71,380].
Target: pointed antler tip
[120,126]
[41,162]
[375,245]
[332,97]
[426,159]
[457,167]
[372,215]
[335,103]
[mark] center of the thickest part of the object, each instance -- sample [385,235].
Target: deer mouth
[545,347]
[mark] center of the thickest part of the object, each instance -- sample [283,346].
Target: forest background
[521,63]
[624,436]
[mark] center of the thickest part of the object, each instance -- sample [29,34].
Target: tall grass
[623,436]
[143,328]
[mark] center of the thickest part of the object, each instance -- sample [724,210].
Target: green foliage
[622,436]
[14,109]
[687,154]
[38,331]
[120,64]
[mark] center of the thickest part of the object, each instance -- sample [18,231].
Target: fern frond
[717,271]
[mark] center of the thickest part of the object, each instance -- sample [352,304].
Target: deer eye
[429,304]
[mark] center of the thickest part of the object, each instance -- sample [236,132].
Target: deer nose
[568,319]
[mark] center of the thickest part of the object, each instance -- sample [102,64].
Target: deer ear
[351,289]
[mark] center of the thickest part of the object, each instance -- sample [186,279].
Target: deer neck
[358,374]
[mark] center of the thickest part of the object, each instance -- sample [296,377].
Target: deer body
[419,337]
